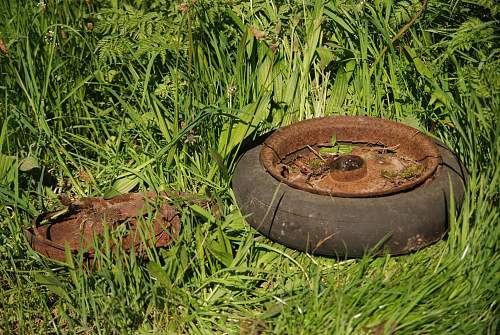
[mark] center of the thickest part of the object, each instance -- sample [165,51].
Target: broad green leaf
[68,257]
[221,248]
[291,87]
[339,148]
[264,70]
[272,311]
[340,21]
[236,19]
[203,212]
[419,64]
[29,163]
[345,148]
[121,186]
[156,271]
[338,91]
[333,140]
[313,33]
[8,166]
[220,253]
[326,56]
[3,133]
[233,133]
[53,284]
[328,150]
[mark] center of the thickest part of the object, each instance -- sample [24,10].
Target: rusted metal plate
[85,219]
[371,136]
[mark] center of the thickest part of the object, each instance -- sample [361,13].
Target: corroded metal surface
[87,218]
[348,168]
[410,143]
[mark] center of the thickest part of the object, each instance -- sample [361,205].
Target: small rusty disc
[363,131]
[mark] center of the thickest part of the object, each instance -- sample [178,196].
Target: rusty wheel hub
[385,158]
[348,168]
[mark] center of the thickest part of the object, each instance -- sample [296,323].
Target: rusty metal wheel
[356,202]
[85,219]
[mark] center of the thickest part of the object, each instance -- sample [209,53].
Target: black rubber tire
[348,227]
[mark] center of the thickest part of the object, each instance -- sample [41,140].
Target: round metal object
[356,221]
[347,163]
[360,130]
[85,219]
[348,168]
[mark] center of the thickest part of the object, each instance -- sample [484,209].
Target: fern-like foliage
[131,22]
[171,82]
[403,12]
[483,79]
[472,31]
[492,5]
[113,50]
[131,34]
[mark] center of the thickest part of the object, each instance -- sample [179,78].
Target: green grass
[105,97]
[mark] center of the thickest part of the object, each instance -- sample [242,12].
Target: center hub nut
[348,168]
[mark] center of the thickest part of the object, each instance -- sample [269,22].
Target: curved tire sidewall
[347,227]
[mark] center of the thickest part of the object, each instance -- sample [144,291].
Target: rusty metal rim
[353,129]
[45,246]
[36,234]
